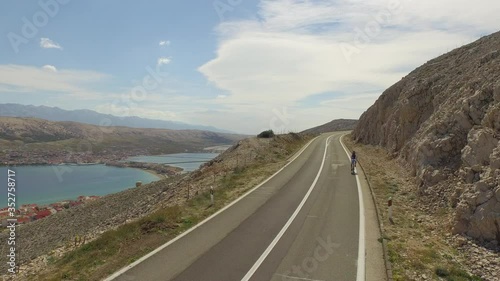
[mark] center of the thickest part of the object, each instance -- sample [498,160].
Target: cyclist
[353,161]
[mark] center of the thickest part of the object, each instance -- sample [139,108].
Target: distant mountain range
[96,118]
[332,126]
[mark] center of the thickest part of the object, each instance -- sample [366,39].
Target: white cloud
[140,111]
[292,50]
[49,68]
[35,79]
[46,43]
[164,43]
[272,68]
[163,61]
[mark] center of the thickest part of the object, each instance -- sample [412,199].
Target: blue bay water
[187,161]
[48,184]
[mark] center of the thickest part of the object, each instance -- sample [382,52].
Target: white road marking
[132,265]
[360,276]
[264,255]
[298,278]
[335,168]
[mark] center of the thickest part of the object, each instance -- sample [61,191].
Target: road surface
[302,224]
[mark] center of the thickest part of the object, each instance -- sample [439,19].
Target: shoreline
[161,171]
[75,198]
[152,172]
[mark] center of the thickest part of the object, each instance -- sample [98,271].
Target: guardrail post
[389,204]
[211,195]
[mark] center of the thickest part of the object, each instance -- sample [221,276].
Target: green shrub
[442,272]
[266,134]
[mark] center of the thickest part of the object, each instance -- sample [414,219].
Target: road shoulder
[375,262]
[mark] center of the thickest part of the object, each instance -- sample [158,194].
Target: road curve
[301,224]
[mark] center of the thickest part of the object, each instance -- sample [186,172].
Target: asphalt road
[302,224]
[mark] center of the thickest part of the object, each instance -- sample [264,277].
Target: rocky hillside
[89,220]
[443,121]
[21,135]
[332,126]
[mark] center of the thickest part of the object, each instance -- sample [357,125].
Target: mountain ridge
[95,118]
[332,126]
[38,141]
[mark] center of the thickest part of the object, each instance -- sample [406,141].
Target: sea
[44,185]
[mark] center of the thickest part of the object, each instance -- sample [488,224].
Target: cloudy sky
[240,65]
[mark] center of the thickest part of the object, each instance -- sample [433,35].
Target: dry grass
[417,241]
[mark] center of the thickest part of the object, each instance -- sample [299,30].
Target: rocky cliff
[443,121]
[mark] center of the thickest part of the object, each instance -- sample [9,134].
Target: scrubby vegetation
[266,134]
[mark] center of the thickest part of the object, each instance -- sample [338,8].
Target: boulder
[480,145]
[482,221]
[495,158]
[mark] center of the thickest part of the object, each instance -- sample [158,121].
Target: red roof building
[23,220]
[29,206]
[75,203]
[4,214]
[42,214]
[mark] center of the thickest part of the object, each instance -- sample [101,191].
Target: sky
[239,65]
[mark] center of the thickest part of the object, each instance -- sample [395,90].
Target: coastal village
[32,212]
[17,157]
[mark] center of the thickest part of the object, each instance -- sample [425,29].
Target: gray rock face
[443,119]
[480,145]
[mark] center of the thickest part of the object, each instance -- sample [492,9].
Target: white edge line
[264,255]
[132,265]
[360,276]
